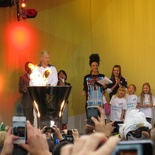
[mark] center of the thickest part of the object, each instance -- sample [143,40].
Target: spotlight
[22,11]
[23,4]
[6,3]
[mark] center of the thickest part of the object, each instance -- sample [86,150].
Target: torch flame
[37,78]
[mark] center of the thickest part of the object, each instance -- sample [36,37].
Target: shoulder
[123,79]
[86,76]
[49,65]
[52,66]
[23,76]
[114,97]
[67,83]
[101,75]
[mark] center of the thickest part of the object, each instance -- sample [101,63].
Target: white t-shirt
[147,111]
[131,100]
[117,105]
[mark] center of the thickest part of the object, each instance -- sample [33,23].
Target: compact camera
[137,134]
[68,136]
[19,128]
[92,111]
[69,132]
[116,129]
[48,129]
[135,147]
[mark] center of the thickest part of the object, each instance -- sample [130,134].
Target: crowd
[96,140]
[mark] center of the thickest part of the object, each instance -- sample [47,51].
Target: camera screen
[135,149]
[69,138]
[69,132]
[49,129]
[93,112]
[19,128]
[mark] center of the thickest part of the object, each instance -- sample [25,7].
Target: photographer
[99,125]
[36,142]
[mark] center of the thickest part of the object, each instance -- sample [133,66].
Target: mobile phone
[136,147]
[69,132]
[19,128]
[49,129]
[92,111]
[116,125]
[68,138]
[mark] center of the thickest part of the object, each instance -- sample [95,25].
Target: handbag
[106,108]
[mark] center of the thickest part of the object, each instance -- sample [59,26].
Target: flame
[36,108]
[37,78]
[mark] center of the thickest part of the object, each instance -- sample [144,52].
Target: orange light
[20,40]
[20,37]
[23,5]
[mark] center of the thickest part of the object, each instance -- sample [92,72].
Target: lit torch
[37,78]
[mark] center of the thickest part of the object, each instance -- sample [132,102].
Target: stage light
[23,12]
[23,4]
[6,3]
[31,13]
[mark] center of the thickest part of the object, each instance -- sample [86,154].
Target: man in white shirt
[48,71]
[44,74]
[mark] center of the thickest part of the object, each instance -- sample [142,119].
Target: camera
[136,147]
[69,132]
[48,129]
[19,128]
[116,129]
[137,134]
[68,136]
[92,111]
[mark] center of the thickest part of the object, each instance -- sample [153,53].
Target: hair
[2,137]
[94,58]
[142,97]
[63,73]
[132,86]
[58,147]
[121,88]
[43,52]
[120,74]
[26,63]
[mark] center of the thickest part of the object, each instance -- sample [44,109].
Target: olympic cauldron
[51,101]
